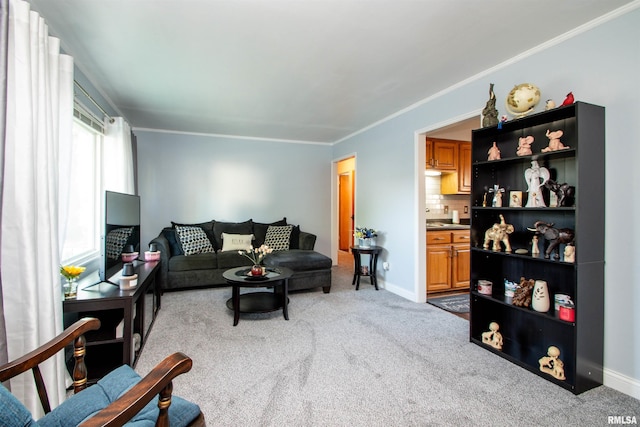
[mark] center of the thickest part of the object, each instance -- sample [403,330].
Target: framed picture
[515,199]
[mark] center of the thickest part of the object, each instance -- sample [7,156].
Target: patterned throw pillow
[278,237]
[193,240]
[115,241]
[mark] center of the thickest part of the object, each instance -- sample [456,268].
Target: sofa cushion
[294,242]
[13,413]
[231,259]
[174,245]
[278,237]
[204,261]
[88,402]
[193,240]
[298,260]
[245,227]
[260,230]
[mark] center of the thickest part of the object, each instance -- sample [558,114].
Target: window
[82,240]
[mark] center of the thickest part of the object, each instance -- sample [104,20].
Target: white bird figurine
[550,104]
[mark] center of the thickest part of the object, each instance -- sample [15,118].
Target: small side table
[370,270]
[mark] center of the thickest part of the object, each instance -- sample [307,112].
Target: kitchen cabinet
[441,154]
[459,181]
[527,334]
[448,258]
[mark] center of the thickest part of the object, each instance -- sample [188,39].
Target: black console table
[126,318]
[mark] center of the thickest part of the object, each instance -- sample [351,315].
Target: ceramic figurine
[568,100]
[565,193]
[497,196]
[524,146]
[536,177]
[554,141]
[555,236]
[550,364]
[489,113]
[492,336]
[540,300]
[494,152]
[569,253]
[503,119]
[498,233]
[550,104]
[535,251]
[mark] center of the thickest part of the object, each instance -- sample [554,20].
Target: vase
[540,300]
[256,270]
[70,288]
[365,242]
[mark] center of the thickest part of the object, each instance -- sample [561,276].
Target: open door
[346,186]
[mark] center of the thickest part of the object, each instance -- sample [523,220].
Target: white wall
[194,178]
[601,66]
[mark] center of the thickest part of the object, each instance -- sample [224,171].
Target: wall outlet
[385,265]
[446,209]
[466,209]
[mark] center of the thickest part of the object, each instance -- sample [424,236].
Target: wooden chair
[104,403]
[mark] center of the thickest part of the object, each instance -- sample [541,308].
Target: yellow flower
[71,271]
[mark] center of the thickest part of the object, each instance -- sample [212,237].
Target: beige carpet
[365,358]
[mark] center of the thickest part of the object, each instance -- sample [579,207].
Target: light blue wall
[601,66]
[193,178]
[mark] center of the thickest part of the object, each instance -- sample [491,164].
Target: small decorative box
[128,282]
[129,256]
[152,256]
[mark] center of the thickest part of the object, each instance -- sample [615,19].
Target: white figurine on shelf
[569,253]
[533,176]
[535,250]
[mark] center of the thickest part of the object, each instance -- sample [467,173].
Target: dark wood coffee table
[258,302]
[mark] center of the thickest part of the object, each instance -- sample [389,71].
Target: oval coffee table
[258,302]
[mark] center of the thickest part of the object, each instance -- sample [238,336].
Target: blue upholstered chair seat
[91,400]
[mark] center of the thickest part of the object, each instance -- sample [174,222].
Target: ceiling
[300,70]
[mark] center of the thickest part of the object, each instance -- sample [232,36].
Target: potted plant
[365,236]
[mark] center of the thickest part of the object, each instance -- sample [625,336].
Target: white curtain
[117,168]
[38,127]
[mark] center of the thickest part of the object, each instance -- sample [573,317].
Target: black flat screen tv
[121,232]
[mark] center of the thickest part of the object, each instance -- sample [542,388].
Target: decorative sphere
[522,99]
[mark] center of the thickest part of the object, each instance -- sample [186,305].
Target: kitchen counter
[435,226]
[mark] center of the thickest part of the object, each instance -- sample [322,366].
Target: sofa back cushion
[174,245]
[260,230]
[245,227]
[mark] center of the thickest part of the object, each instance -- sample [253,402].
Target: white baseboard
[621,382]
[396,290]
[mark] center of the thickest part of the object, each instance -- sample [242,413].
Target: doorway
[346,170]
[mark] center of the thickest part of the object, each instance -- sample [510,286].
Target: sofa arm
[307,241]
[165,253]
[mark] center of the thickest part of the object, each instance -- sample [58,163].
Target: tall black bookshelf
[526,333]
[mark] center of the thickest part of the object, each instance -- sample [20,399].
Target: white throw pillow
[236,242]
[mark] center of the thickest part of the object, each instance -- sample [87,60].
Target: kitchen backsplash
[436,202]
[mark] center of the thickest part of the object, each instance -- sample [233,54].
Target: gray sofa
[180,271]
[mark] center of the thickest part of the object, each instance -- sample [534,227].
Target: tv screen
[121,232]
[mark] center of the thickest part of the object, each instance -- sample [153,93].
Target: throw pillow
[236,242]
[115,241]
[206,226]
[245,227]
[193,240]
[278,237]
[260,230]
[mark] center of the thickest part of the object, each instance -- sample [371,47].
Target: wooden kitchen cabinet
[459,181]
[448,260]
[442,154]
